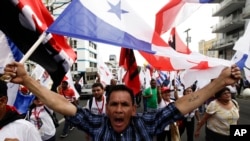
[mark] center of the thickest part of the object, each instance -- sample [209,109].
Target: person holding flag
[121,121]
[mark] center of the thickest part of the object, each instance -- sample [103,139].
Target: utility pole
[188,39]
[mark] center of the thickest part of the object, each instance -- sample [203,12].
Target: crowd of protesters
[120,121]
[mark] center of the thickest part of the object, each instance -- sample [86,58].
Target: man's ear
[5,99]
[134,110]
[106,108]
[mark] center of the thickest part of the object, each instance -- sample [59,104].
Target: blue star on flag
[116,9]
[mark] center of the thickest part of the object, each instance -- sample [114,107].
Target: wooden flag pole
[33,48]
[7,78]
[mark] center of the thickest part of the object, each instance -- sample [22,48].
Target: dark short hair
[97,85]
[66,82]
[3,88]
[219,93]
[120,88]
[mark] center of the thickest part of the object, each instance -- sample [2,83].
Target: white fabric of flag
[8,54]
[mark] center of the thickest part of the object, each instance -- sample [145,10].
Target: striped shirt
[141,128]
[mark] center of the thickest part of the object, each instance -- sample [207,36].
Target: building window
[92,64]
[92,45]
[92,55]
[73,43]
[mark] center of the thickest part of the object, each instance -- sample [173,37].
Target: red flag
[24,23]
[175,12]
[176,43]
[163,22]
[131,77]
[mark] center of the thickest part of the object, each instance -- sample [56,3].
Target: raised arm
[228,76]
[53,100]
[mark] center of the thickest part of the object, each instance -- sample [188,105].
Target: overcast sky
[200,24]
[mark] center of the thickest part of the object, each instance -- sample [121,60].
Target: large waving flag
[175,12]
[23,21]
[114,22]
[104,21]
[117,24]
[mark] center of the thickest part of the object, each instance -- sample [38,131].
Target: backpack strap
[47,110]
[29,112]
[90,103]
[53,117]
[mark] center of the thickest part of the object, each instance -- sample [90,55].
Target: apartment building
[233,15]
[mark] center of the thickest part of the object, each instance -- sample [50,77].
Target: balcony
[228,24]
[224,43]
[228,6]
[246,12]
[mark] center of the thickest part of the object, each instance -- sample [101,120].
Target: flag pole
[33,47]
[7,78]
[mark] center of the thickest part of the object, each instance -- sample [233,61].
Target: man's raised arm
[228,76]
[58,103]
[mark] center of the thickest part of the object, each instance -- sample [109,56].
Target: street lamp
[188,39]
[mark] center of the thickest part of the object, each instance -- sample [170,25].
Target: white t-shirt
[97,107]
[47,128]
[21,129]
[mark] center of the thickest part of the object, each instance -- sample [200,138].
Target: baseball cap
[165,89]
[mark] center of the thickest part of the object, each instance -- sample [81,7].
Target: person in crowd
[69,94]
[121,121]
[78,87]
[188,122]
[174,86]
[239,86]
[39,116]
[97,104]
[12,125]
[138,99]
[151,94]
[246,83]
[220,114]
[113,82]
[163,102]
[145,77]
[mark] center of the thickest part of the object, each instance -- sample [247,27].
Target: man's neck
[99,99]
[2,114]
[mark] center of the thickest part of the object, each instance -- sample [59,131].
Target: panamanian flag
[176,12]
[111,22]
[116,23]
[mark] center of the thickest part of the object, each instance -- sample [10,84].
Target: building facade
[233,18]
